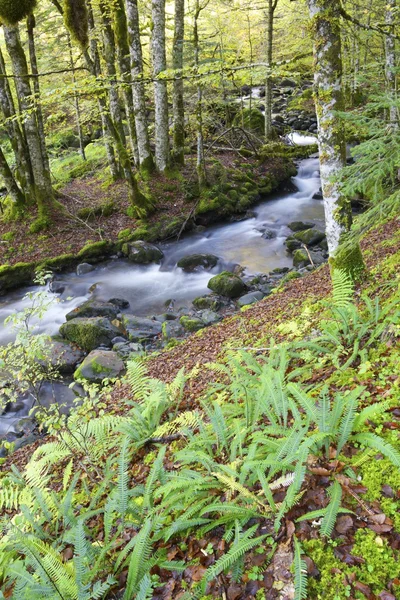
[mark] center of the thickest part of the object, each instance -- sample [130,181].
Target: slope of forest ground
[200,518]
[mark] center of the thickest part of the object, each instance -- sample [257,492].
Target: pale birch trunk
[139,99]
[328,99]
[41,176]
[160,86]
[390,62]
[177,95]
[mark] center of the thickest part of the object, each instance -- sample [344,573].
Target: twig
[309,255]
[164,440]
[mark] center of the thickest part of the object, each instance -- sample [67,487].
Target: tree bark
[328,99]
[272,4]
[139,100]
[390,63]
[31,24]
[177,97]
[76,101]
[200,162]
[41,176]
[160,86]
[13,190]
[15,134]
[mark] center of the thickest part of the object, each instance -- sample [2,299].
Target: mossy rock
[227,284]
[103,210]
[100,365]
[250,118]
[300,258]
[206,302]
[95,250]
[309,237]
[192,324]
[65,261]
[193,261]
[89,333]
[13,276]
[143,253]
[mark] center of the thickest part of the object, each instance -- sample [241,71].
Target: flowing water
[149,288]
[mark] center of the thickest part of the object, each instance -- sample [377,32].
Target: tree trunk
[390,63]
[139,100]
[95,68]
[177,97]
[272,4]
[15,134]
[200,162]
[31,24]
[42,182]
[121,36]
[76,102]
[13,190]
[329,98]
[109,59]
[160,86]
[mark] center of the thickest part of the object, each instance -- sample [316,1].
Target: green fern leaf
[373,441]
[300,572]
[331,511]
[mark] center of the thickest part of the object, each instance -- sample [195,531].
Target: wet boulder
[128,350]
[227,284]
[89,333]
[93,308]
[100,365]
[210,317]
[194,261]
[84,268]
[64,357]
[292,244]
[140,328]
[300,225]
[172,329]
[309,237]
[250,298]
[121,303]
[300,258]
[143,253]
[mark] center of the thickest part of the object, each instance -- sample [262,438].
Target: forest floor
[96,209]
[361,558]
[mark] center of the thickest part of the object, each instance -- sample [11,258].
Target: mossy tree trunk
[12,124]
[121,36]
[329,98]
[177,94]
[146,163]
[15,194]
[30,25]
[43,192]
[200,159]
[159,59]
[271,7]
[93,61]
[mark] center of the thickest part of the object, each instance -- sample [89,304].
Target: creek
[149,288]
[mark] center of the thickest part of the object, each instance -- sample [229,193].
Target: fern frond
[300,572]
[343,288]
[331,511]
[373,441]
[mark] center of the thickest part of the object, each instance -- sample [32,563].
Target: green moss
[191,324]
[40,224]
[9,236]
[13,276]
[104,210]
[11,11]
[350,259]
[95,249]
[250,118]
[64,261]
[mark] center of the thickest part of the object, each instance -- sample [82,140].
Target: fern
[329,520]
[343,288]
[300,572]
[373,441]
